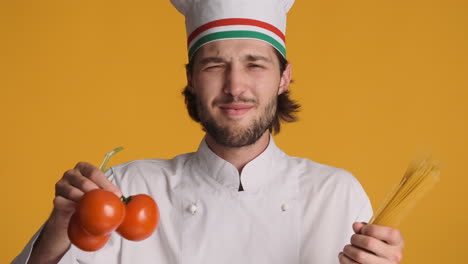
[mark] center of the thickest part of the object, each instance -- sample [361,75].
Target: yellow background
[379,81]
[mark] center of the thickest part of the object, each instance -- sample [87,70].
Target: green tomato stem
[104,165]
[126,200]
[107,158]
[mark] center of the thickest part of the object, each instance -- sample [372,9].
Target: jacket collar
[255,175]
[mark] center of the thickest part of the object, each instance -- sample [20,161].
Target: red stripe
[235,21]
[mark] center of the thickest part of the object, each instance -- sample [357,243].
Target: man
[239,198]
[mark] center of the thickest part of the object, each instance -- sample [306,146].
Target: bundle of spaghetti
[420,177]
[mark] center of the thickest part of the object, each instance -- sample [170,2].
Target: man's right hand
[53,241]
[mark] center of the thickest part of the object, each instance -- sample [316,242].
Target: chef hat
[211,20]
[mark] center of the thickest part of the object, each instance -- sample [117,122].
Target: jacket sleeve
[25,254]
[23,257]
[69,257]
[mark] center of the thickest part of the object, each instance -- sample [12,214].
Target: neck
[239,157]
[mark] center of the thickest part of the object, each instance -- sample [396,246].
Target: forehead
[230,49]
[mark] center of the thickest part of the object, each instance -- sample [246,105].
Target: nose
[235,81]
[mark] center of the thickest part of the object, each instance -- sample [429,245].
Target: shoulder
[151,165]
[149,172]
[316,179]
[325,186]
[320,175]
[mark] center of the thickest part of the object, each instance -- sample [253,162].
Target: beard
[238,136]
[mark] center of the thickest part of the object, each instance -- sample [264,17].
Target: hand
[74,183]
[373,244]
[53,241]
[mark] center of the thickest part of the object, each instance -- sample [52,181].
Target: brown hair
[286,107]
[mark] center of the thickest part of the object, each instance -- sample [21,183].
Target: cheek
[205,97]
[207,84]
[267,80]
[267,90]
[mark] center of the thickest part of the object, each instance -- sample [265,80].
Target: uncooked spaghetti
[420,177]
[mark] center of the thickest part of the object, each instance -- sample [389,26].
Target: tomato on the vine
[82,239]
[141,218]
[100,212]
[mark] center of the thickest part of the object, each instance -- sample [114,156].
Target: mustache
[231,99]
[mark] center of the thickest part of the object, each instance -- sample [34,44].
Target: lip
[235,109]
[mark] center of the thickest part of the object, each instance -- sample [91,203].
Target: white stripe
[203,11]
[237,27]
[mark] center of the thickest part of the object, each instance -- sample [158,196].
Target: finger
[361,256]
[387,234]
[97,176]
[73,185]
[64,206]
[357,226]
[373,245]
[345,260]
[64,189]
[78,180]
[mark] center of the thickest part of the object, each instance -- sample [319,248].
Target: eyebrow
[257,58]
[207,60]
[249,57]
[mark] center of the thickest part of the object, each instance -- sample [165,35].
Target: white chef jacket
[292,210]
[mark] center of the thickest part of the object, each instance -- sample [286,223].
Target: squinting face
[237,83]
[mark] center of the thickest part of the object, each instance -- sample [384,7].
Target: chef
[238,198]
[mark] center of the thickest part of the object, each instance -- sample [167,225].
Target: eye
[255,66]
[213,66]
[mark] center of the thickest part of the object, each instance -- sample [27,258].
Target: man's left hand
[373,244]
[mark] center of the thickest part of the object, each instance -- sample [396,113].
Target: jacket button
[193,208]
[284,207]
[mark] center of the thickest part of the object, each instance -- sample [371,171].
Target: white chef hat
[211,20]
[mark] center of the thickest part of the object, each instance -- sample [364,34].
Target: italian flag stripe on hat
[211,20]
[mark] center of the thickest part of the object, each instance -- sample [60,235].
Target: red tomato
[82,239]
[141,218]
[100,212]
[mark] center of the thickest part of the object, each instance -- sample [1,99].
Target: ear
[285,79]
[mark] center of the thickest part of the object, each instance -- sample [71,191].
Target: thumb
[357,227]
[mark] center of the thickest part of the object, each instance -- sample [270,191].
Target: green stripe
[236,34]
